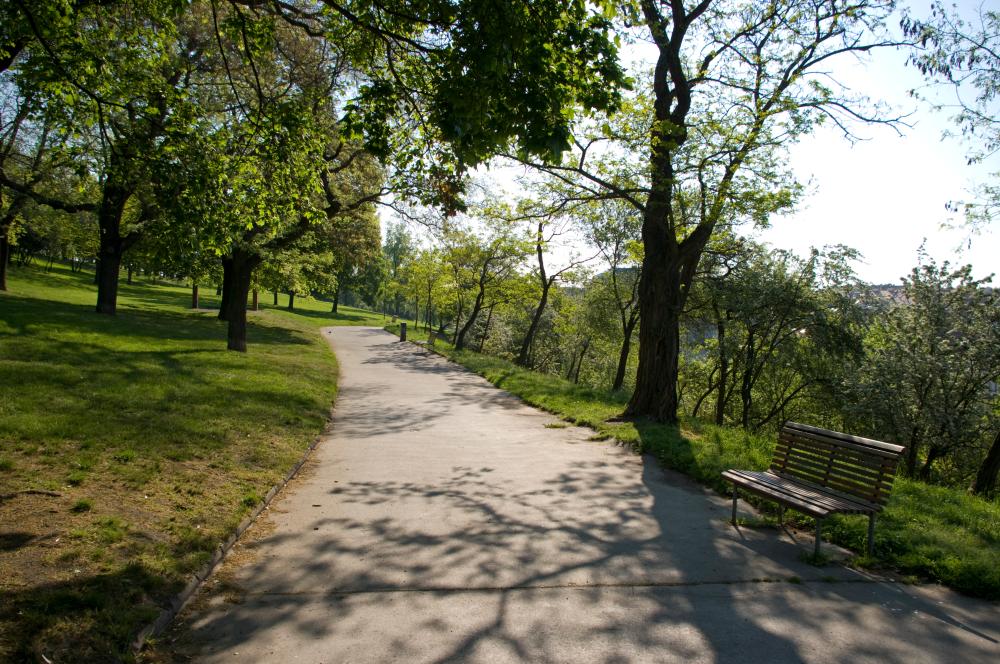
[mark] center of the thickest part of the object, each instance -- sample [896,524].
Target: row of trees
[237,132]
[766,336]
[255,138]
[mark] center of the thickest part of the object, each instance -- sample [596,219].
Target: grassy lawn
[928,532]
[131,446]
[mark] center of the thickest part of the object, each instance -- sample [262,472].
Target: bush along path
[926,532]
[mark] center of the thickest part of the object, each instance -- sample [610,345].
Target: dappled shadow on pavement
[467,570]
[483,536]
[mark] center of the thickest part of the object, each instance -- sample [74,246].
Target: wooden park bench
[820,472]
[437,336]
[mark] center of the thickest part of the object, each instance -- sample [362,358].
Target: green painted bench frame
[820,472]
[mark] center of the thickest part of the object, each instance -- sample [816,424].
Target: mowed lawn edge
[926,532]
[132,446]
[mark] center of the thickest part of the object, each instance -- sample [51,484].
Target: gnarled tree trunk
[986,478]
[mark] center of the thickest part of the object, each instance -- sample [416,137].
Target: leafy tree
[481,265]
[931,372]
[785,328]
[613,227]
[733,83]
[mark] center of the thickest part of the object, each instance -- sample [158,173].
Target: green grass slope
[131,446]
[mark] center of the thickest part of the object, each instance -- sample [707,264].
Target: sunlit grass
[132,446]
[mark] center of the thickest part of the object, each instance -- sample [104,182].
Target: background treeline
[767,336]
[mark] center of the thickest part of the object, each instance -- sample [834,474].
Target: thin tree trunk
[291,300]
[536,318]
[623,355]
[194,296]
[579,364]
[276,297]
[218,289]
[486,330]
[746,388]
[720,400]
[128,279]
[932,455]
[256,300]
[986,478]
[476,308]
[336,298]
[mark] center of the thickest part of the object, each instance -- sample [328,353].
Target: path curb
[181,599]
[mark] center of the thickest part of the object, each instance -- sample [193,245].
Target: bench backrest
[850,465]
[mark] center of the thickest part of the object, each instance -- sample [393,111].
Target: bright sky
[887,195]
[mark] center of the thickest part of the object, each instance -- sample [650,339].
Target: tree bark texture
[241,266]
[226,289]
[112,245]
[986,478]
[194,296]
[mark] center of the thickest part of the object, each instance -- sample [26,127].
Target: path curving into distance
[440,520]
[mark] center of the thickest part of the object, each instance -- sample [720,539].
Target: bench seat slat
[808,500]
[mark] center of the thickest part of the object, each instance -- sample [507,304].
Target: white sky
[886,195]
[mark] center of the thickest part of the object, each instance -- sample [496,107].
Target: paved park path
[442,521]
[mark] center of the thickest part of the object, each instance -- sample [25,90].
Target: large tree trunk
[623,355]
[112,246]
[986,478]
[241,265]
[227,289]
[661,301]
[4,258]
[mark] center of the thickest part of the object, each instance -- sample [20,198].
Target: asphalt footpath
[442,520]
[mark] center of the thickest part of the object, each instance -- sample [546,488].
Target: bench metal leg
[871,534]
[819,523]
[735,497]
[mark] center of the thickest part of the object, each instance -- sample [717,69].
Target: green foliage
[929,381]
